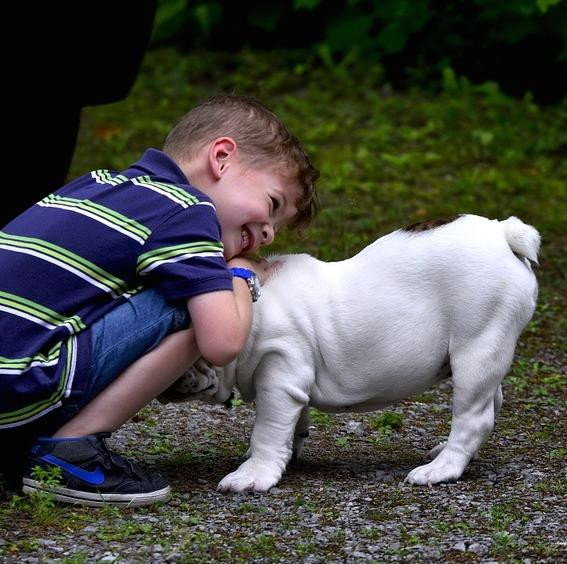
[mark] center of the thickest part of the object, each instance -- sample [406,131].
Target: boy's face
[252,206]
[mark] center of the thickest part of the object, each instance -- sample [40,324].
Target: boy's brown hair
[262,138]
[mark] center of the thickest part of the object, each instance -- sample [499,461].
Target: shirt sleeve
[184,255]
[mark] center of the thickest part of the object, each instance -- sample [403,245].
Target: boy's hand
[262,268]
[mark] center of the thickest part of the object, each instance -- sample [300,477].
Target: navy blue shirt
[78,253]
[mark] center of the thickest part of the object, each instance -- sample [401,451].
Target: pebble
[355,428]
[460,546]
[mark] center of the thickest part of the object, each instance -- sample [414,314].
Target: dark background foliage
[521,44]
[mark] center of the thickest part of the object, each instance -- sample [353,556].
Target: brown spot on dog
[431,224]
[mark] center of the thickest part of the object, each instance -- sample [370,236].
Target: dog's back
[401,306]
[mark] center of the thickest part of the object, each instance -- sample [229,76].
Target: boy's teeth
[245,238]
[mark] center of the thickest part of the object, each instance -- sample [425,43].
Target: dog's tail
[523,239]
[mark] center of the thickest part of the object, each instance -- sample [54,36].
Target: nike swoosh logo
[94,478]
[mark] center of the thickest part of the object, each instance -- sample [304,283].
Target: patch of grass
[386,160]
[371,533]
[408,538]
[265,543]
[503,542]
[111,512]
[126,530]
[199,545]
[547,550]
[242,549]
[77,558]
[386,422]
[342,441]
[385,443]
[558,453]
[23,545]
[304,548]
[321,419]
[425,397]
[501,516]
[287,522]
[553,486]
[379,516]
[40,505]
[250,508]
[147,416]
[537,381]
[305,504]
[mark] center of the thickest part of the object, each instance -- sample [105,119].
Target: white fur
[390,322]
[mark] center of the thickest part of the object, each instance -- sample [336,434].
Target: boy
[112,286]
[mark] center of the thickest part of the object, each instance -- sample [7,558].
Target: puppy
[436,299]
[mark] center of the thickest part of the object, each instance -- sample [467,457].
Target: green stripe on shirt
[106,215]
[39,313]
[65,259]
[174,193]
[175,253]
[51,402]
[18,365]
[103,176]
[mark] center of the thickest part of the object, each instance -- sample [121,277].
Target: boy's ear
[222,153]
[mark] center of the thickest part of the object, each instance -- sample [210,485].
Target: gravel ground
[344,501]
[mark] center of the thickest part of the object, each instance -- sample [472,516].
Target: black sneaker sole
[66,495]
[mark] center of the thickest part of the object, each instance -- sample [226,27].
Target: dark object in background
[60,57]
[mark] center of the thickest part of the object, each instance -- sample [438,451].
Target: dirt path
[344,501]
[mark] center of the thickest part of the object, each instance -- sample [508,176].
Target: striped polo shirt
[83,250]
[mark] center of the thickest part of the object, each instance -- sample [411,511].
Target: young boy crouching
[114,285]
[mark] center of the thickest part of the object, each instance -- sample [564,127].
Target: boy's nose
[267,234]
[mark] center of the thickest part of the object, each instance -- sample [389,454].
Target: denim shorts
[127,333]
[120,338]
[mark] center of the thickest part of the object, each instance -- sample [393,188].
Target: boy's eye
[275,204]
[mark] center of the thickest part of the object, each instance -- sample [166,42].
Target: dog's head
[202,382]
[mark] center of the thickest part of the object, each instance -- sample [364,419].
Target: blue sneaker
[92,474]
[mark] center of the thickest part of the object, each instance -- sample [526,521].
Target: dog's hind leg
[478,370]
[301,433]
[498,399]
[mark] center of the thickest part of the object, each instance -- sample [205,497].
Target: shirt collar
[157,163]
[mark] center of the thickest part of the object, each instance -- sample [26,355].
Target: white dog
[442,298]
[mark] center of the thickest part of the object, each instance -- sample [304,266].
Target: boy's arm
[222,320]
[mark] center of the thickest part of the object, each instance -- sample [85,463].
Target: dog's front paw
[251,475]
[448,466]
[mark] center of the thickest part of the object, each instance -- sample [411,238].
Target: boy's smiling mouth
[247,239]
